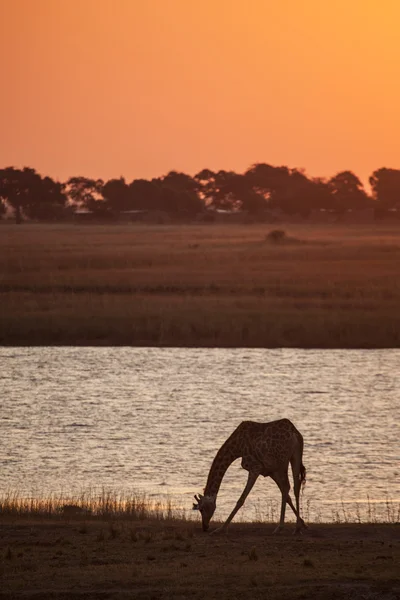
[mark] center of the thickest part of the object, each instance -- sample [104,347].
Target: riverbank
[321,286]
[76,558]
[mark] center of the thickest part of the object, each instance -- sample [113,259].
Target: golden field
[324,286]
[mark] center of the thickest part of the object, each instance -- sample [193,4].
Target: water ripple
[73,418]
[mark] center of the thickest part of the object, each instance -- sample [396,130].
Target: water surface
[152,419]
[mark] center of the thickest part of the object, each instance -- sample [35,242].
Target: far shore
[314,286]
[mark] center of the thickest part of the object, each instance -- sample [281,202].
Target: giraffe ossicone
[266,449]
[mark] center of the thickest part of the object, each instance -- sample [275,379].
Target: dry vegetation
[108,504]
[200,285]
[91,504]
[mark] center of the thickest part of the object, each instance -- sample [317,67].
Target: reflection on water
[152,419]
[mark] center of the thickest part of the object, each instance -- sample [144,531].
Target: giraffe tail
[302,471]
[302,475]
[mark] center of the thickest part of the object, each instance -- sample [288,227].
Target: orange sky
[106,88]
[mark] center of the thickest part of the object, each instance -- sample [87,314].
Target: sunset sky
[105,88]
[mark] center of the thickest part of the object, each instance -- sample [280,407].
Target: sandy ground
[161,560]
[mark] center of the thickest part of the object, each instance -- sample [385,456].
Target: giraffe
[266,449]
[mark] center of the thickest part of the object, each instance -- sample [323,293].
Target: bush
[276,236]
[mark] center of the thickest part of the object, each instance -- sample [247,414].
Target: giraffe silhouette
[266,449]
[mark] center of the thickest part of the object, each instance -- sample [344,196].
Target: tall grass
[200,286]
[90,504]
[112,505]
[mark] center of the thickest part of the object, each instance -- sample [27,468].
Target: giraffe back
[268,447]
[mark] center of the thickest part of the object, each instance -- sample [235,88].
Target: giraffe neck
[225,456]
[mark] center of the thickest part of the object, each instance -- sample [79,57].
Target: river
[151,420]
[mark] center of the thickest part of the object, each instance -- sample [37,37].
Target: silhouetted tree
[258,190]
[16,187]
[144,195]
[180,181]
[180,195]
[180,203]
[320,195]
[290,190]
[28,194]
[174,194]
[270,182]
[48,202]
[85,193]
[304,195]
[347,191]
[117,195]
[206,185]
[219,190]
[237,193]
[385,184]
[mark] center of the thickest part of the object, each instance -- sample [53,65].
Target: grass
[89,505]
[332,286]
[112,505]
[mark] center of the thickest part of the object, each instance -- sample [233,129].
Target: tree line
[261,189]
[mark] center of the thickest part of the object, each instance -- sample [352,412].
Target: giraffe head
[206,505]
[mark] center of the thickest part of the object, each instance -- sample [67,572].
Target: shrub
[276,236]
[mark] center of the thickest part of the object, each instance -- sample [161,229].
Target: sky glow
[106,88]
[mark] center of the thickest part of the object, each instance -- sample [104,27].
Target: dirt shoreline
[51,558]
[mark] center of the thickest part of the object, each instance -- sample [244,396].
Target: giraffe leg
[299,523]
[292,506]
[297,485]
[289,499]
[252,478]
[282,481]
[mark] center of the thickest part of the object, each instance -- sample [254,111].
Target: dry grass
[89,505]
[200,286]
[108,504]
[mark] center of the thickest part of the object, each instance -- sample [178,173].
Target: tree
[31,195]
[270,182]
[117,195]
[237,193]
[180,181]
[145,195]
[16,187]
[48,202]
[385,184]
[347,192]
[206,185]
[215,188]
[85,193]
[180,203]
[290,190]
[3,208]
[304,195]
[180,195]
